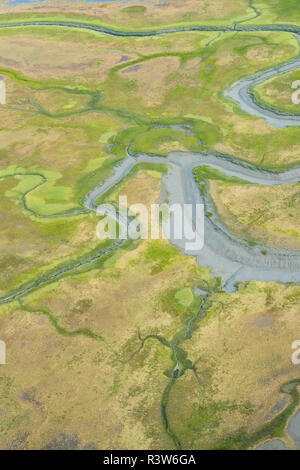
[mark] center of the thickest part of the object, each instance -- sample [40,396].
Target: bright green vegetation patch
[116,19]
[184,296]
[278,226]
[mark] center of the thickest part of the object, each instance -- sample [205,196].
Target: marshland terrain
[138,344]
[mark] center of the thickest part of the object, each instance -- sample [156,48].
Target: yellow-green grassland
[93,331]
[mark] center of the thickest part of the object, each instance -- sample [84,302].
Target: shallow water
[275,444]
[293,429]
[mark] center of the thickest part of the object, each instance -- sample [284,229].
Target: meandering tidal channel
[229,256]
